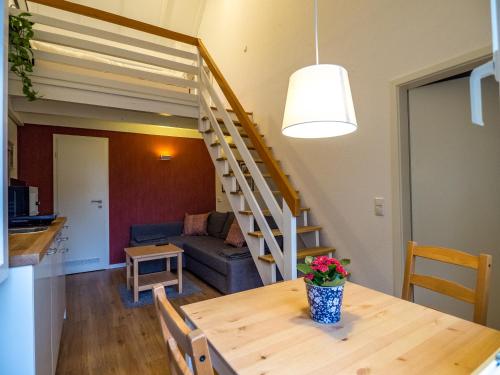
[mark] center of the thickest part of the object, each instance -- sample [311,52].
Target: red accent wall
[142,189]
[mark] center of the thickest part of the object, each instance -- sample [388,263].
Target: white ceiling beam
[112,98]
[43,74]
[70,109]
[68,41]
[107,35]
[111,68]
[126,127]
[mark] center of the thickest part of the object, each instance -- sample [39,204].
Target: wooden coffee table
[138,254]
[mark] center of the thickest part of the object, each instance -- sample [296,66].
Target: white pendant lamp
[319,101]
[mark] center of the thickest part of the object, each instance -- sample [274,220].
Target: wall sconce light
[165,157]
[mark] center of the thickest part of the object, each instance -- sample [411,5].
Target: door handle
[99,201]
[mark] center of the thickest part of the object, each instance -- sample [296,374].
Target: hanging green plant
[20,53]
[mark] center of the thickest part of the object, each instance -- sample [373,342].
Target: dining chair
[177,334]
[477,296]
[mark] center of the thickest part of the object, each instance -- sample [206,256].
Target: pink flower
[321,260]
[333,261]
[309,276]
[320,267]
[341,270]
[323,263]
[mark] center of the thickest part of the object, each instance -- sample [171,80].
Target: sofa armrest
[174,228]
[146,233]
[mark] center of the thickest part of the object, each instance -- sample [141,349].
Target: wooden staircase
[306,234]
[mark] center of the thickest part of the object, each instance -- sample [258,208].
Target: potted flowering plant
[324,278]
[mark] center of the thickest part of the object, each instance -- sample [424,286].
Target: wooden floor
[100,336]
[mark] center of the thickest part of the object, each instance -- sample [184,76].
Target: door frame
[400,147]
[57,136]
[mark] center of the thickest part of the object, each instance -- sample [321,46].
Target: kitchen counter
[27,249]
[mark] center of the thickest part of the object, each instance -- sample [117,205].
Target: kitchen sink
[28,230]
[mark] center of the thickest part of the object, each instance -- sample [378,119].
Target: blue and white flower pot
[325,302]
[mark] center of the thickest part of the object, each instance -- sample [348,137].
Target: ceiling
[183,16]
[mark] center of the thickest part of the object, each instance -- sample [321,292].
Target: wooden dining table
[268,331]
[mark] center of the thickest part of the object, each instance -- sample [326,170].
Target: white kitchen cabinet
[58,298]
[32,309]
[43,314]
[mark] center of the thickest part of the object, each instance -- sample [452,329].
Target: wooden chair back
[478,296]
[177,334]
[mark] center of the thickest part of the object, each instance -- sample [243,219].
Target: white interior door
[81,195]
[455,185]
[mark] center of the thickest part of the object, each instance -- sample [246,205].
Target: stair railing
[282,182]
[208,90]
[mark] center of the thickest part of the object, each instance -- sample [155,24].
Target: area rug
[146,296]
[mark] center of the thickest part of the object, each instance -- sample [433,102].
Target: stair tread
[302,253]
[235,122]
[223,158]
[267,212]
[232,145]
[211,130]
[277,232]
[230,110]
[221,121]
[265,175]
[239,192]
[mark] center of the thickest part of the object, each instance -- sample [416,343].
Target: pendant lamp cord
[316,30]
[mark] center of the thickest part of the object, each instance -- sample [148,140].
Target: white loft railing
[129,67]
[143,63]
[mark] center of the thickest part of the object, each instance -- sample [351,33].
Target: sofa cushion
[150,237]
[235,236]
[234,253]
[215,223]
[227,225]
[206,250]
[195,225]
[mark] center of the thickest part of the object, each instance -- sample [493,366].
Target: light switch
[379,206]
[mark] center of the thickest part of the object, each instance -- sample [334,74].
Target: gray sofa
[223,266]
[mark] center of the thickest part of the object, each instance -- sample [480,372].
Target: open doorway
[448,177]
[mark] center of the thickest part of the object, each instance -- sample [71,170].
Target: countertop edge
[32,257]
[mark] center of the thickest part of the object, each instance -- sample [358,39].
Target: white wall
[455,185]
[377,41]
